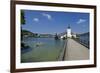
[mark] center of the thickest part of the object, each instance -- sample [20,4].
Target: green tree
[22,17]
[22,22]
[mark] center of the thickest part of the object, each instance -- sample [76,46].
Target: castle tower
[69,32]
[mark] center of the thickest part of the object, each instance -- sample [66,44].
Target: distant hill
[46,35]
[86,33]
[27,33]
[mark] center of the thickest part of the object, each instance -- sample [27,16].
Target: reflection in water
[43,49]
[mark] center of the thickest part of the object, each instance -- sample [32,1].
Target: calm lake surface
[42,49]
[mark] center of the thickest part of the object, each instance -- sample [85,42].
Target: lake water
[42,49]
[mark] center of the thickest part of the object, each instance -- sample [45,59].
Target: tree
[22,17]
[56,37]
[22,22]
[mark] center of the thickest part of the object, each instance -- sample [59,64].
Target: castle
[68,34]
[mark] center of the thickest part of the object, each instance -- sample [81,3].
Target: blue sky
[50,22]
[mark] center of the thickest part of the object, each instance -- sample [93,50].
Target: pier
[75,51]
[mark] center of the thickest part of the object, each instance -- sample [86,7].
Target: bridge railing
[83,42]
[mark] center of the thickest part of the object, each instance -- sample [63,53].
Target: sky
[51,22]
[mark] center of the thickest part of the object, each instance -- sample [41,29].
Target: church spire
[68,25]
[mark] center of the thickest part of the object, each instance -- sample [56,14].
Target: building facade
[69,35]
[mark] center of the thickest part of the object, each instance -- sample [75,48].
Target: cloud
[36,19]
[47,15]
[81,21]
